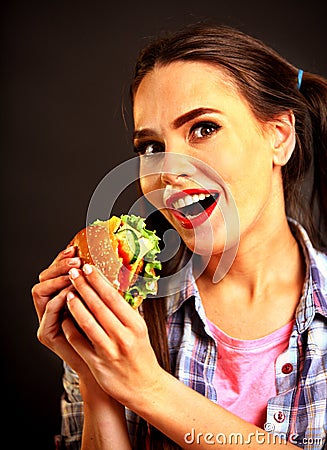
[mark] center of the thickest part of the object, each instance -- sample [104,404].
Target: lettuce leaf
[146,283]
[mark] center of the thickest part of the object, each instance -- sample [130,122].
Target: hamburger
[125,251]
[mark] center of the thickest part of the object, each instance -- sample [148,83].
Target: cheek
[228,157]
[149,183]
[145,185]
[247,172]
[247,165]
[152,190]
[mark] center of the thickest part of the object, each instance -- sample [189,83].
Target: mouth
[192,206]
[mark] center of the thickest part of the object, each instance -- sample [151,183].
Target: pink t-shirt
[245,373]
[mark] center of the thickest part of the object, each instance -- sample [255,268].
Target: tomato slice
[128,245]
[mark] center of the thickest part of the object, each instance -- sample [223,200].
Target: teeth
[189,200]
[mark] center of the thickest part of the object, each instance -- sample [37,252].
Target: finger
[43,292]
[50,321]
[99,309]
[67,252]
[64,261]
[88,323]
[50,332]
[110,296]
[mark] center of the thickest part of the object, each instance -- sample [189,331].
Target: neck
[272,256]
[262,288]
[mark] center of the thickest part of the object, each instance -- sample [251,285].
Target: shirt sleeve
[72,411]
[72,414]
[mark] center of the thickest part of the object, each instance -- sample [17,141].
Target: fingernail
[87,269]
[73,273]
[70,296]
[73,261]
[68,250]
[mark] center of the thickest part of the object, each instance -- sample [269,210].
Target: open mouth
[192,206]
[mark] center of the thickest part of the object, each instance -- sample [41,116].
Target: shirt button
[287,368]
[279,416]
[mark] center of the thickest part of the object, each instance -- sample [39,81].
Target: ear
[283,138]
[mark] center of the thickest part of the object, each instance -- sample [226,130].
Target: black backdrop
[65,70]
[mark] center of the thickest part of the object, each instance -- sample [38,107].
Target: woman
[222,362]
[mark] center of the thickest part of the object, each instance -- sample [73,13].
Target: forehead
[180,86]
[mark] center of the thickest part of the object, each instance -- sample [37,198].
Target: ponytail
[314,90]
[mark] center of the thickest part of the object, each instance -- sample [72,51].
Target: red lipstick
[189,221]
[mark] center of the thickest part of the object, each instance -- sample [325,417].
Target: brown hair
[269,83]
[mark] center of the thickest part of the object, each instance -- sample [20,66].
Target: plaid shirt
[299,410]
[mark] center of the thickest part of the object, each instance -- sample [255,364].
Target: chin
[206,240]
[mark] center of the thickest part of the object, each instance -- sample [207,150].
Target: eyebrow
[178,122]
[191,115]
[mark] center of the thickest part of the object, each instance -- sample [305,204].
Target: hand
[118,350]
[49,297]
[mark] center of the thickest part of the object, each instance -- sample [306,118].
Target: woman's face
[203,152]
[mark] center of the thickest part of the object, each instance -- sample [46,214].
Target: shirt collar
[314,294]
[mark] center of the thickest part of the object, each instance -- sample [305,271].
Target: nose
[176,167]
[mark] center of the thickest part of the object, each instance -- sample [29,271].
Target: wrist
[99,405]
[145,401]
[105,425]
[90,390]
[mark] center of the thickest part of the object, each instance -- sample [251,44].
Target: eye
[204,130]
[148,147]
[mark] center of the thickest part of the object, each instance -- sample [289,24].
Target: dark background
[66,68]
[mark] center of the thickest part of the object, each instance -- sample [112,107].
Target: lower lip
[197,220]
